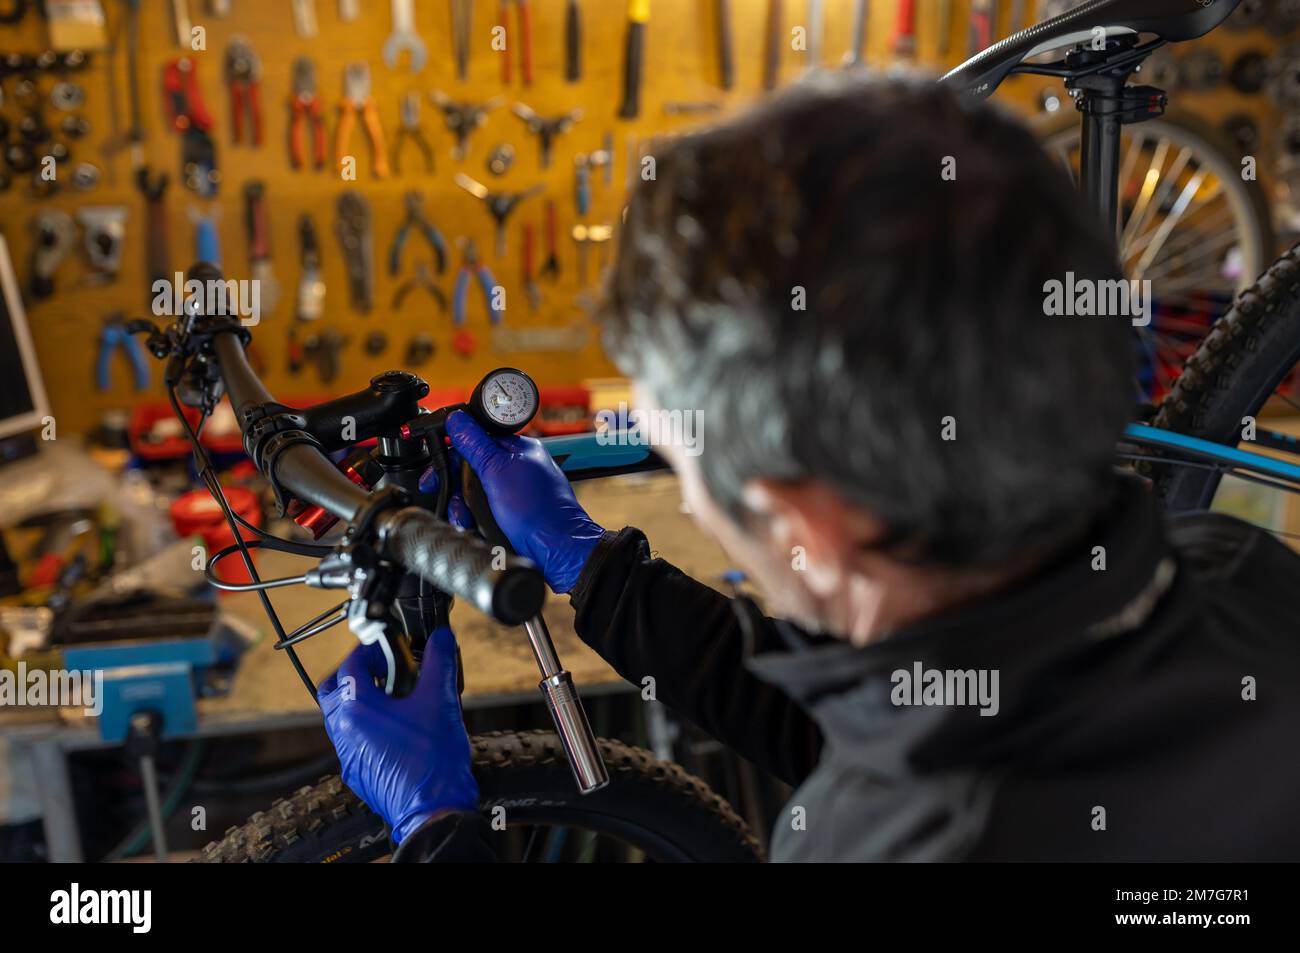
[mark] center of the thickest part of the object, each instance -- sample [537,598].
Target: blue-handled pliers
[115,335]
[471,265]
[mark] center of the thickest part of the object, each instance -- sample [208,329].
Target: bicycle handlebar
[504,586]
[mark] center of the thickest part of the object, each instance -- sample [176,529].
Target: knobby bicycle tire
[1231,376]
[652,805]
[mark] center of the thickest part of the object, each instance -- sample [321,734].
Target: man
[994,648]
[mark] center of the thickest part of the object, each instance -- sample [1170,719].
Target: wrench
[404,37]
[304,17]
[181,22]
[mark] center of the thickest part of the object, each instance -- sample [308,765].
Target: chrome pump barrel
[566,711]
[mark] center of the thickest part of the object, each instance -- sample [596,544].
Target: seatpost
[1099,148]
[1107,103]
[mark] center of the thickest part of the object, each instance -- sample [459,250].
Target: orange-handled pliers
[357,99]
[306,112]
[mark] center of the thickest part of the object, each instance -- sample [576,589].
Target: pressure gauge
[505,401]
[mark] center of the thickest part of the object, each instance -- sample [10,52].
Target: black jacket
[1147,711]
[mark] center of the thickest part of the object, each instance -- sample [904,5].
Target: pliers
[415,218]
[463,342]
[188,115]
[115,334]
[306,112]
[357,99]
[410,129]
[243,76]
[423,279]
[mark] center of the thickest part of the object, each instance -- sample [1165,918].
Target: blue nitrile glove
[531,500]
[407,758]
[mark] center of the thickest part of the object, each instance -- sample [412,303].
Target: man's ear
[823,533]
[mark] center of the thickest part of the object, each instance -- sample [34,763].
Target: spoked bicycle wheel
[1243,374]
[1189,223]
[651,810]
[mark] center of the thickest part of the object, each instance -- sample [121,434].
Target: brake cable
[206,473]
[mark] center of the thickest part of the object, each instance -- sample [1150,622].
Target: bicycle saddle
[1170,20]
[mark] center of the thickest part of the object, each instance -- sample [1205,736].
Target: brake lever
[371,586]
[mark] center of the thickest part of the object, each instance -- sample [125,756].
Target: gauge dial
[506,399]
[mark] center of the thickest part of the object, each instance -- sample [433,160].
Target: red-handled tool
[905,29]
[525,41]
[243,76]
[183,97]
[981,26]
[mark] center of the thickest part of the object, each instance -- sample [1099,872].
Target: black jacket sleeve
[648,619]
[448,838]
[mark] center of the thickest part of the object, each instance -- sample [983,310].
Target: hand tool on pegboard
[307,121]
[310,301]
[182,26]
[980,29]
[857,51]
[584,236]
[462,118]
[726,49]
[522,38]
[410,128]
[423,278]
[546,128]
[816,16]
[638,16]
[353,229]
[526,275]
[243,80]
[207,240]
[905,29]
[104,231]
[462,22]
[463,342]
[404,38]
[54,235]
[357,100]
[157,241]
[945,27]
[115,336]
[572,41]
[581,184]
[550,269]
[499,204]
[188,115]
[304,18]
[416,221]
[257,228]
[773,44]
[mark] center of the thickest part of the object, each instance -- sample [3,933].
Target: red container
[197,512]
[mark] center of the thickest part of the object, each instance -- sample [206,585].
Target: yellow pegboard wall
[681,65]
